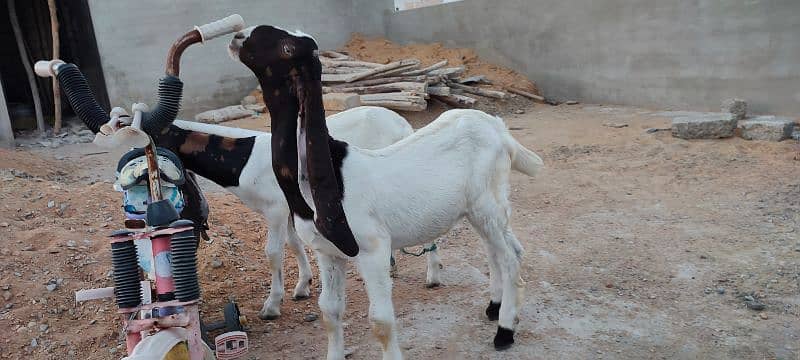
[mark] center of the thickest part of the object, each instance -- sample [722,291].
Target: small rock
[707,291]
[72,243]
[755,305]
[763,316]
[216,263]
[348,353]
[749,298]
[721,291]
[7,295]
[615,125]
[704,126]
[50,204]
[34,343]
[519,111]
[767,128]
[311,317]
[112,350]
[3,224]
[571,102]
[51,287]
[737,107]
[43,327]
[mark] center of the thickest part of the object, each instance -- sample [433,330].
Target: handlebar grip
[228,25]
[46,68]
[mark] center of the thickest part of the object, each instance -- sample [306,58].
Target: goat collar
[320,156]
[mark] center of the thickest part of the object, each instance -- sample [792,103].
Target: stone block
[704,126]
[737,107]
[767,128]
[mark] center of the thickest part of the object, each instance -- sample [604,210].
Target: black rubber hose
[80,97]
[183,247]
[127,289]
[170,91]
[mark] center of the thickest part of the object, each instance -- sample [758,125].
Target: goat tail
[523,159]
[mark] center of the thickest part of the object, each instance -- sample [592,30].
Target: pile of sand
[383,51]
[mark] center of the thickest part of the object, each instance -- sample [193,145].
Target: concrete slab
[737,107]
[704,126]
[767,128]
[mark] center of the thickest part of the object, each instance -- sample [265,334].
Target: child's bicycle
[159,314]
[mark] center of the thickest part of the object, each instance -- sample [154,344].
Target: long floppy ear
[323,164]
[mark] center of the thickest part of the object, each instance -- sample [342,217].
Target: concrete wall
[133,39]
[687,54]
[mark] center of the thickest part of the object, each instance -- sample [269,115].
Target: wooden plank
[6,130]
[414,87]
[479,91]
[398,72]
[340,101]
[382,69]
[428,69]
[451,72]
[335,78]
[334,55]
[438,90]
[397,104]
[460,101]
[384,80]
[348,63]
[525,94]
[343,70]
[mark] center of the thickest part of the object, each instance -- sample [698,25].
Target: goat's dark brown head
[276,55]
[288,68]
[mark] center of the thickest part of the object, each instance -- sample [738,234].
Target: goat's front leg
[274,249]
[434,276]
[374,269]
[303,288]
[332,301]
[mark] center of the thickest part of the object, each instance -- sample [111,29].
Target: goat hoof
[493,311]
[301,297]
[433,285]
[268,316]
[504,338]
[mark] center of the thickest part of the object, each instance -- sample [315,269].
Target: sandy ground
[638,246]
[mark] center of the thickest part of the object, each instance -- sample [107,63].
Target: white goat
[369,126]
[368,202]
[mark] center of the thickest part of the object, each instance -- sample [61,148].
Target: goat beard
[316,165]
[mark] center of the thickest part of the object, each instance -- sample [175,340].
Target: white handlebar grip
[230,24]
[46,68]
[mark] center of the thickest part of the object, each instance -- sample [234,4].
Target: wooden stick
[334,55]
[383,69]
[51,4]
[398,72]
[385,80]
[428,69]
[23,54]
[525,93]
[397,104]
[460,101]
[439,90]
[342,70]
[336,63]
[479,91]
[452,72]
[415,87]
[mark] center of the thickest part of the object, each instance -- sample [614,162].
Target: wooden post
[56,44]
[23,54]
[6,131]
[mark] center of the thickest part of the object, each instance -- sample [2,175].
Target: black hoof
[504,338]
[493,311]
[268,317]
[432,285]
[301,298]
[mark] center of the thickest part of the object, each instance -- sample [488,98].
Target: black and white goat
[367,202]
[237,159]
[240,160]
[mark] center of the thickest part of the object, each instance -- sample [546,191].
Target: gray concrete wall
[687,54]
[133,39]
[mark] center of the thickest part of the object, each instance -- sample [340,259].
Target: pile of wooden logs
[400,85]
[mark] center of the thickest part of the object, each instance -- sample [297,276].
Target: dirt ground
[638,245]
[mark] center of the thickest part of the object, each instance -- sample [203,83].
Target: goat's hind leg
[274,249]
[504,278]
[303,288]
[374,268]
[332,301]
